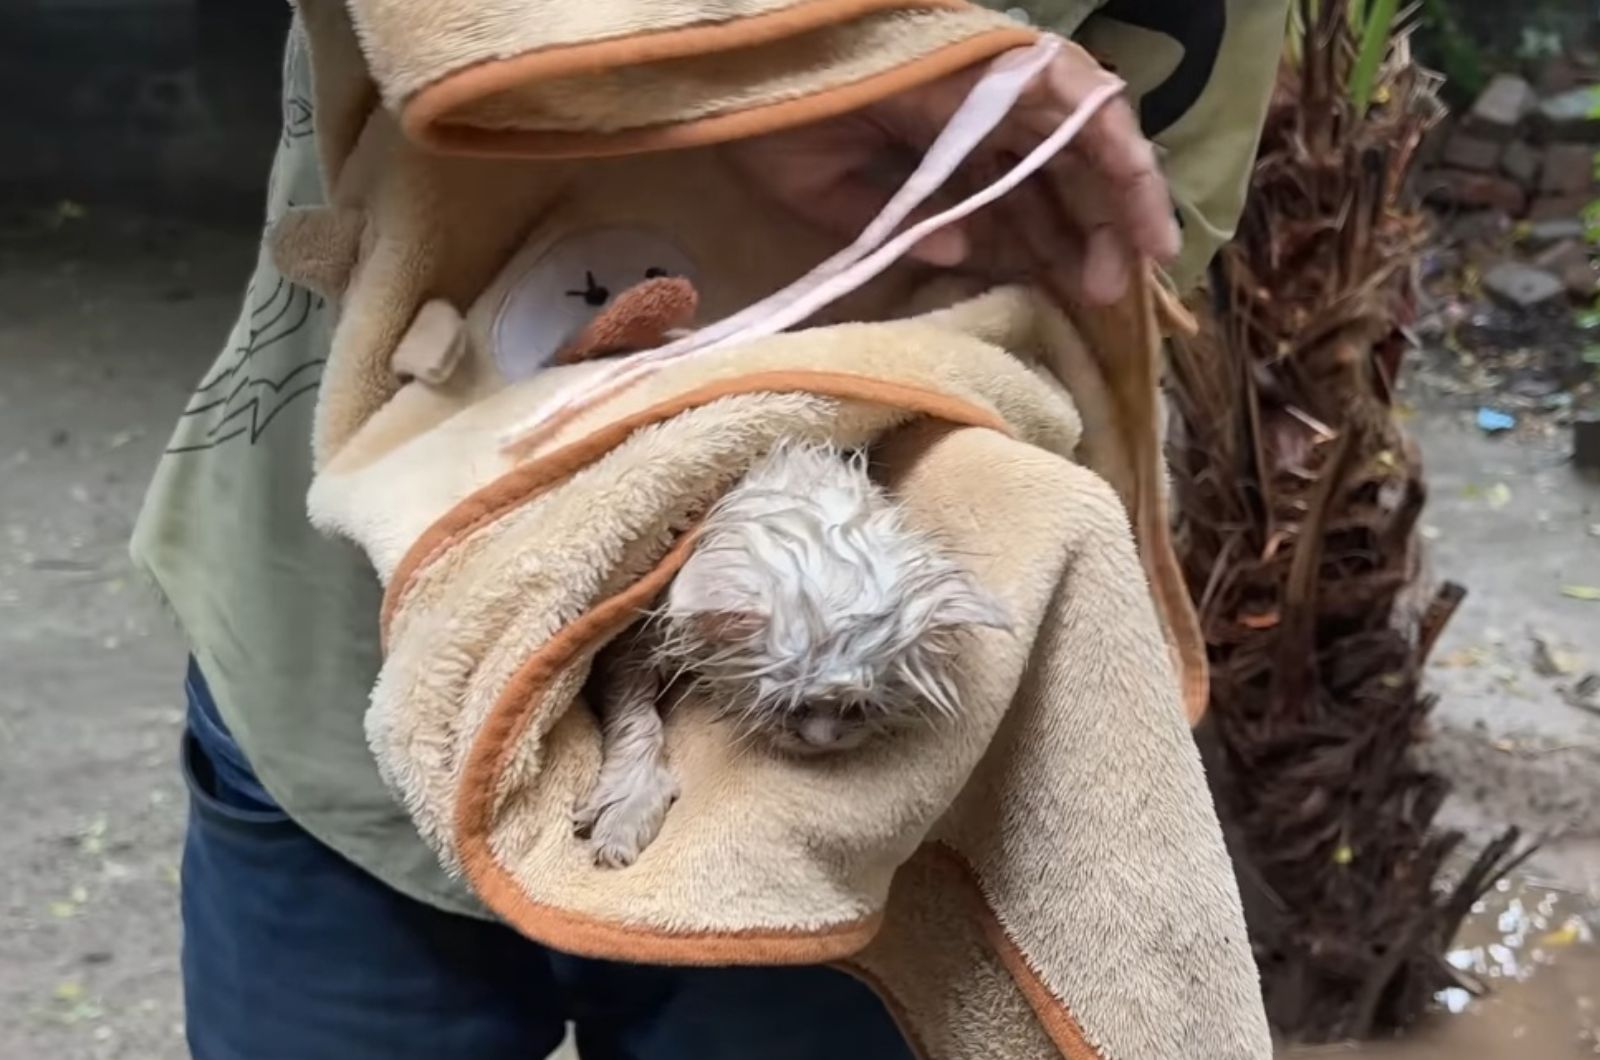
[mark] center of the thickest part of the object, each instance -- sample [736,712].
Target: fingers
[824,173]
[1111,207]
[847,204]
[1112,148]
[1060,227]
[1108,253]
[1034,229]
[1107,267]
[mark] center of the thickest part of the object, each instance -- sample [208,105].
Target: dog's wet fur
[809,613]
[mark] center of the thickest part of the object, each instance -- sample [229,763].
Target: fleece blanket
[1044,877]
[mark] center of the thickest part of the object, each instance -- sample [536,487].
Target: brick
[1459,187]
[1521,163]
[1558,74]
[1557,207]
[1573,116]
[1569,262]
[1502,107]
[1568,169]
[1465,151]
[1581,281]
[1522,286]
[1554,233]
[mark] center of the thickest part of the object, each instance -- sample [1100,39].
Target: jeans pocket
[214,800]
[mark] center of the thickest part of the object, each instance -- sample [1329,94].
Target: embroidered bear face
[557,291]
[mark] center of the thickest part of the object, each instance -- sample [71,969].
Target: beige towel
[1044,878]
[556,77]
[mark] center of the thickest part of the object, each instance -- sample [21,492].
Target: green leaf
[1581,592]
[1374,46]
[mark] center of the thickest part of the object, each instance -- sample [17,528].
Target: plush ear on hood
[316,246]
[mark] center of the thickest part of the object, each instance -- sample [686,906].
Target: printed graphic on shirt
[271,360]
[247,390]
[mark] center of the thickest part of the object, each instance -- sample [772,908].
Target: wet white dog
[809,612]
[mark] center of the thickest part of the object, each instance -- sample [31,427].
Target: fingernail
[1105,286]
[946,248]
[1171,242]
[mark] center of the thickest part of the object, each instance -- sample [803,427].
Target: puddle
[1535,951]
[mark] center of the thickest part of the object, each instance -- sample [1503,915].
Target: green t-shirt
[283,620]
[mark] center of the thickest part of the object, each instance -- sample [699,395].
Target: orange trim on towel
[425,117]
[1160,309]
[1055,1017]
[513,712]
[576,933]
[1059,1024]
[1181,620]
[897,1011]
[1063,1029]
[488,503]
[514,708]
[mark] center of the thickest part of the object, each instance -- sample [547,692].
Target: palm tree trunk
[1298,496]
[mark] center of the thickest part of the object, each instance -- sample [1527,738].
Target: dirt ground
[106,321]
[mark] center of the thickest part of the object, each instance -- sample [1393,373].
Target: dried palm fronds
[1298,496]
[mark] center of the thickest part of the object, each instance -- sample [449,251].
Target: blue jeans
[292,953]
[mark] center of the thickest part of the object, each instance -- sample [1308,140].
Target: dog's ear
[703,600]
[960,601]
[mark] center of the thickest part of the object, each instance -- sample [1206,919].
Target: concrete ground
[1512,521]
[106,321]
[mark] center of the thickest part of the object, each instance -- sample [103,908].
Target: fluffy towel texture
[609,76]
[1044,877]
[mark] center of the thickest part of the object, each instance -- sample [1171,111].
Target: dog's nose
[819,730]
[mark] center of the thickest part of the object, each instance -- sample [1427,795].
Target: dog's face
[814,615]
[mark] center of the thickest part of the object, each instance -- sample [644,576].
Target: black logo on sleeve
[1198,26]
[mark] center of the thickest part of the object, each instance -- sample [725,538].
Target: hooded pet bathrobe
[1043,877]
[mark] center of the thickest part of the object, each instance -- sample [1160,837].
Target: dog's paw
[629,819]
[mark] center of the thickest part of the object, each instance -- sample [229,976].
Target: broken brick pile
[1533,158]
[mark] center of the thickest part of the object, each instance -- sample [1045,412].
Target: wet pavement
[1529,953]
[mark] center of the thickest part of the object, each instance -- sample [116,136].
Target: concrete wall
[153,104]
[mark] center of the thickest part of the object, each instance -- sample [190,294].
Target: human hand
[1088,217]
